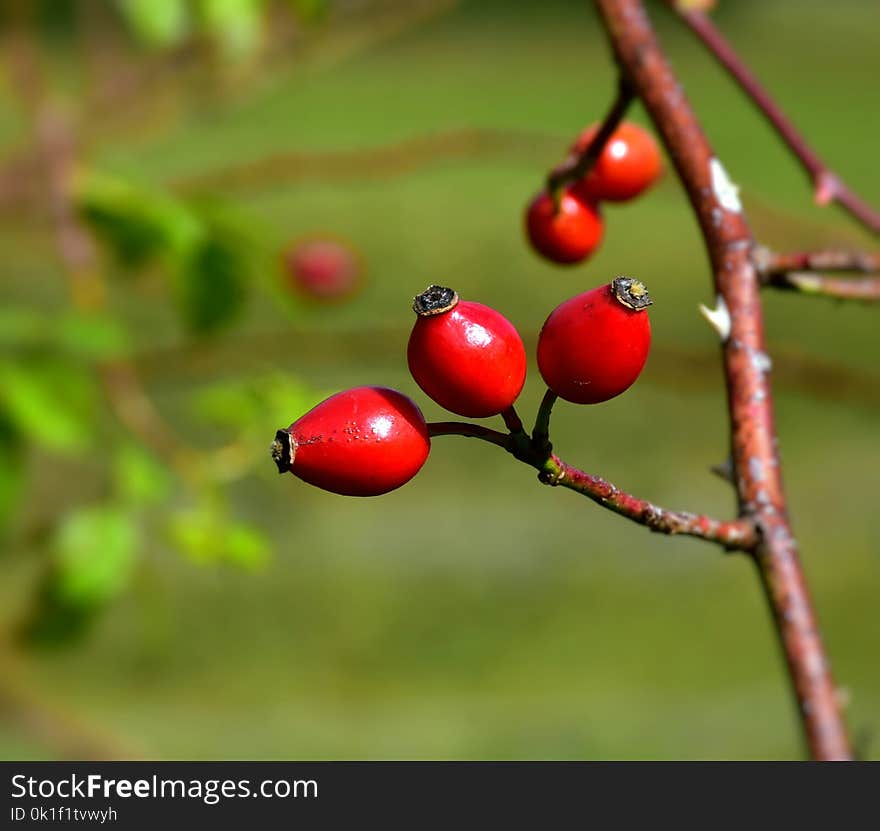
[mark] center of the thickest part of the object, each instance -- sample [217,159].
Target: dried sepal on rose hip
[629,164]
[593,346]
[364,441]
[567,232]
[466,356]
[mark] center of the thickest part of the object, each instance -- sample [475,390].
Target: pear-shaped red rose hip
[629,163]
[466,356]
[361,442]
[565,233]
[593,346]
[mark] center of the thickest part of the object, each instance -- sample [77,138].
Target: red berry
[629,163]
[323,268]
[467,357]
[568,235]
[593,346]
[361,442]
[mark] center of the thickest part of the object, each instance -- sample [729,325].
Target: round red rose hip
[567,235]
[629,163]
[466,356]
[593,346]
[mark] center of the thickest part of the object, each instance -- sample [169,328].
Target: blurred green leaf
[53,622]
[236,25]
[22,327]
[11,469]
[51,402]
[310,10]
[248,405]
[205,536]
[140,478]
[91,335]
[139,224]
[95,555]
[246,547]
[159,23]
[211,285]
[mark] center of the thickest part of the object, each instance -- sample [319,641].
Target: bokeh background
[165,594]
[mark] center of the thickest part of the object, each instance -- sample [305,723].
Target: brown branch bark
[754,451]
[737,534]
[773,262]
[827,186]
[863,289]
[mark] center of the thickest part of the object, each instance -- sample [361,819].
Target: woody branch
[739,319]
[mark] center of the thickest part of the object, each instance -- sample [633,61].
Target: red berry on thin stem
[364,441]
[593,346]
[629,163]
[466,356]
[567,235]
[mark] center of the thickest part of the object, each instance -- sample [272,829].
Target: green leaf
[50,402]
[138,223]
[206,536]
[91,335]
[140,478]
[211,286]
[247,406]
[236,25]
[158,23]
[95,555]
[310,11]
[12,471]
[246,547]
[20,327]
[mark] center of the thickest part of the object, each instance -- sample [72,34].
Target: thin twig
[738,534]
[578,165]
[512,420]
[827,186]
[756,463]
[473,431]
[774,262]
[864,289]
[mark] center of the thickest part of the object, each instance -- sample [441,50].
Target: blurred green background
[165,594]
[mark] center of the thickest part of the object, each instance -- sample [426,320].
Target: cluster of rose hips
[471,360]
[567,227]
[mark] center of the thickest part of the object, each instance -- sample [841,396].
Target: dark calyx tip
[435,300]
[631,293]
[282,451]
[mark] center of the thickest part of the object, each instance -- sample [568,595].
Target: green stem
[541,433]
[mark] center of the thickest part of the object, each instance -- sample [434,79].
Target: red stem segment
[738,534]
[827,187]
[863,289]
[772,262]
[756,464]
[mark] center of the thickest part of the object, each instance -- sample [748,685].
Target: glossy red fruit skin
[629,163]
[364,441]
[569,235]
[322,269]
[469,359]
[592,347]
